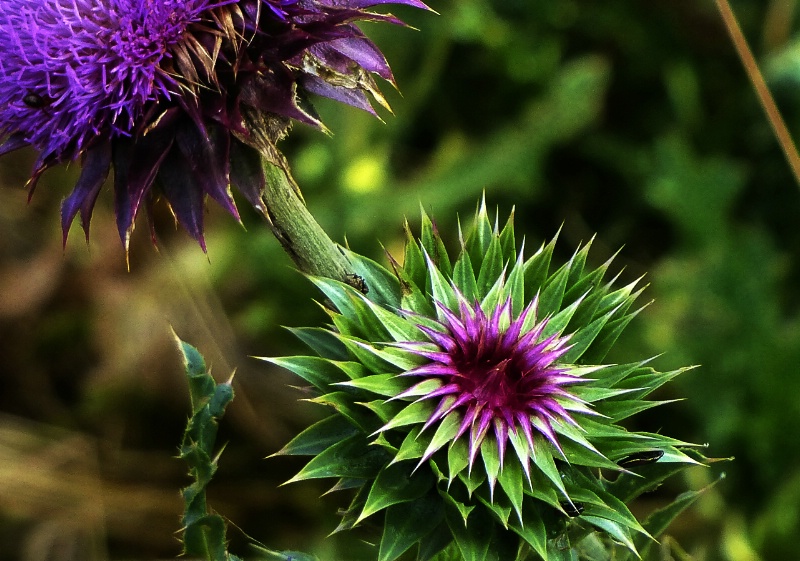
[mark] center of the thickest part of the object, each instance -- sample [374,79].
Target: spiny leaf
[511,481]
[322,342]
[396,484]
[413,261]
[411,448]
[583,338]
[382,384]
[491,461]
[407,523]
[537,267]
[492,266]
[319,372]
[350,458]
[434,247]
[477,244]
[507,240]
[534,531]
[474,539]
[658,522]
[415,413]
[354,309]
[445,432]
[614,529]
[553,292]
[441,290]
[319,437]
[464,277]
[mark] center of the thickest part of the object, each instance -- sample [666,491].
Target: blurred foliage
[633,120]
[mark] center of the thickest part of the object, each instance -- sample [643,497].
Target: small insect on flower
[641,458]
[471,404]
[34,101]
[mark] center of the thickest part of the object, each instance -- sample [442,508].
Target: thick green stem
[300,235]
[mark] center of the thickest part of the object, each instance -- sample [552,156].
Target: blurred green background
[633,120]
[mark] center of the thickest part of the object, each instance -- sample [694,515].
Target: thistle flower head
[472,405]
[175,95]
[495,374]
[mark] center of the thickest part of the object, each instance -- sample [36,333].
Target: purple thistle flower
[175,95]
[499,372]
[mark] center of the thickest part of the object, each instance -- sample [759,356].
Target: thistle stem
[296,229]
[760,87]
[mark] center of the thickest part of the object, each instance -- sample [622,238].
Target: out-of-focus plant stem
[760,86]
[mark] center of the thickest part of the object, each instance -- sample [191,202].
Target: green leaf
[457,458]
[477,244]
[396,483]
[515,287]
[445,432]
[578,263]
[538,266]
[322,342]
[464,277]
[343,403]
[608,336]
[558,322]
[553,292]
[381,361]
[618,410]
[491,461]
[441,290]
[350,458]
[398,327]
[614,529]
[319,437]
[658,522]
[511,481]
[474,539]
[499,506]
[413,261]
[411,448]
[407,523]
[461,509]
[350,515]
[435,542]
[492,266]
[318,372]
[543,459]
[388,385]
[533,530]
[495,296]
[581,340]
[433,246]
[204,538]
[270,555]
[628,486]
[415,413]
[507,240]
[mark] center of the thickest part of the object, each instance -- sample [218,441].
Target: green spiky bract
[420,435]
